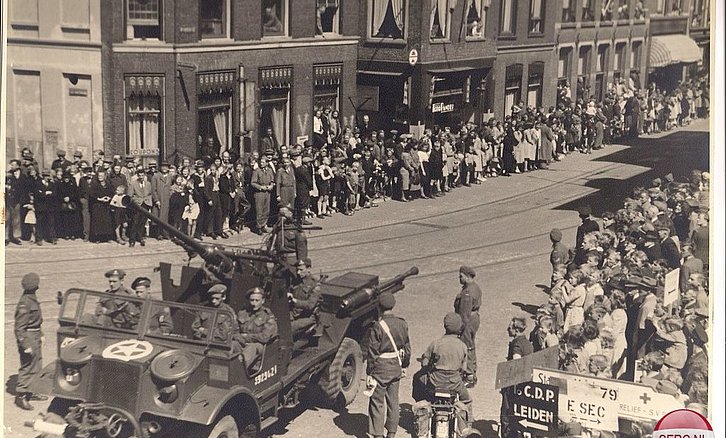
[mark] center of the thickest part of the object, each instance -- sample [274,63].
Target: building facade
[601,42]
[193,78]
[54,78]
[425,62]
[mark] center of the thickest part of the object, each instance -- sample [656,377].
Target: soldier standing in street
[388,353]
[467,304]
[28,319]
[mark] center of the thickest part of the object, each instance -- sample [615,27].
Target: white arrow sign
[527,423]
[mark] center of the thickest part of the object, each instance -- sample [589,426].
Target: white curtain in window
[477,6]
[379,14]
[566,4]
[442,11]
[220,127]
[398,6]
[507,16]
[278,121]
[508,103]
[151,131]
[134,125]
[536,8]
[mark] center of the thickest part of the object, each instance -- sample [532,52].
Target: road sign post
[535,409]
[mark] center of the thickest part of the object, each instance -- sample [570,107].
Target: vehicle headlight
[168,394]
[71,377]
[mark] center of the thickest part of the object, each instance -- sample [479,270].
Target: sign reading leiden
[534,406]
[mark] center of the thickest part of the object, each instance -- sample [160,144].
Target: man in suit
[268,141]
[285,184]
[700,239]
[215,220]
[668,247]
[199,180]
[14,196]
[263,183]
[140,193]
[690,265]
[587,226]
[161,184]
[60,162]
[303,185]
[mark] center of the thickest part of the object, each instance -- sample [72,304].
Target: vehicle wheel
[226,427]
[341,380]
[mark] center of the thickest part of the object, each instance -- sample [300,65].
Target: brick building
[190,77]
[601,42]
[425,62]
[53,78]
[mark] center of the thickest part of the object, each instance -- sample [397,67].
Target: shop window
[144,115]
[568,11]
[509,17]
[214,112]
[536,16]
[213,18]
[275,88]
[440,20]
[588,10]
[274,18]
[512,88]
[476,18]
[327,17]
[534,84]
[326,91]
[143,19]
[387,18]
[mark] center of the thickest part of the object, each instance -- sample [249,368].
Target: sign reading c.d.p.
[534,409]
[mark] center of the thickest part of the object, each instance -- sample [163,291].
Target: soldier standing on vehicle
[467,304]
[28,319]
[304,298]
[116,312]
[258,326]
[226,327]
[387,352]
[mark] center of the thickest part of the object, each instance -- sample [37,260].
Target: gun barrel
[362,296]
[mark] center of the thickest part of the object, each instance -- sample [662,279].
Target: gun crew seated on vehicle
[118,312]
[304,300]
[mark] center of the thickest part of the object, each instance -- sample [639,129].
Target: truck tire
[226,427]
[340,381]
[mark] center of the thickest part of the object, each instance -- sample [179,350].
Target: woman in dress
[436,165]
[100,194]
[520,149]
[322,177]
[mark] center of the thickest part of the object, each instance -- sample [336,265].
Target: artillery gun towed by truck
[142,379]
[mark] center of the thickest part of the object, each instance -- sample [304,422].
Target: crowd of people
[614,310]
[340,170]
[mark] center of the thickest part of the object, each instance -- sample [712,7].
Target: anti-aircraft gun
[149,379]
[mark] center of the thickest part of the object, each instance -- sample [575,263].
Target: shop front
[457,96]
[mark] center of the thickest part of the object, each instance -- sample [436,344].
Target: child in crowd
[120,217]
[351,189]
[30,218]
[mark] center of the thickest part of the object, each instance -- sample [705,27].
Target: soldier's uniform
[560,255]
[467,304]
[307,297]
[289,241]
[385,364]
[161,322]
[28,319]
[226,327]
[118,312]
[257,328]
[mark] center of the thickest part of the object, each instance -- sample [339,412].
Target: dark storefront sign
[441,107]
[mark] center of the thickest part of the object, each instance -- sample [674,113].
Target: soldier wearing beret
[226,327]
[304,298]
[28,319]
[257,325]
[117,312]
[467,304]
[445,362]
[387,351]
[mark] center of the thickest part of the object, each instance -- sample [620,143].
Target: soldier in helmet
[288,239]
[304,298]
[258,326]
[117,312]
[226,327]
[28,319]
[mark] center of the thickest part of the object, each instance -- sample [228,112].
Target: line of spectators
[608,309]
[341,170]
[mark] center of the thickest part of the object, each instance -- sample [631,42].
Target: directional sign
[670,293]
[634,400]
[513,372]
[582,403]
[534,407]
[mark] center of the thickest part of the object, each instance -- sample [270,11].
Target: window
[534,85]
[635,55]
[607,11]
[275,87]
[476,18]
[619,64]
[213,19]
[440,20]
[601,67]
[274,18]
[563,65]
[143,19]
[512,88]
[623,10]
[326,92]
[387,18]
[144,116]
[536,16]
[327,17]
[568,11]
[660,6]
[675,8]
[509,17]
[588,10]
[583,61]
[214,112]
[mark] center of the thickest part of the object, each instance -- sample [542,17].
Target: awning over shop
[672,49]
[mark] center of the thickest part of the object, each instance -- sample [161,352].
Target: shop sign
[440,107]
[78,92]
[145,152]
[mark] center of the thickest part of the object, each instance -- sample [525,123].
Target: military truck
[147,375]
